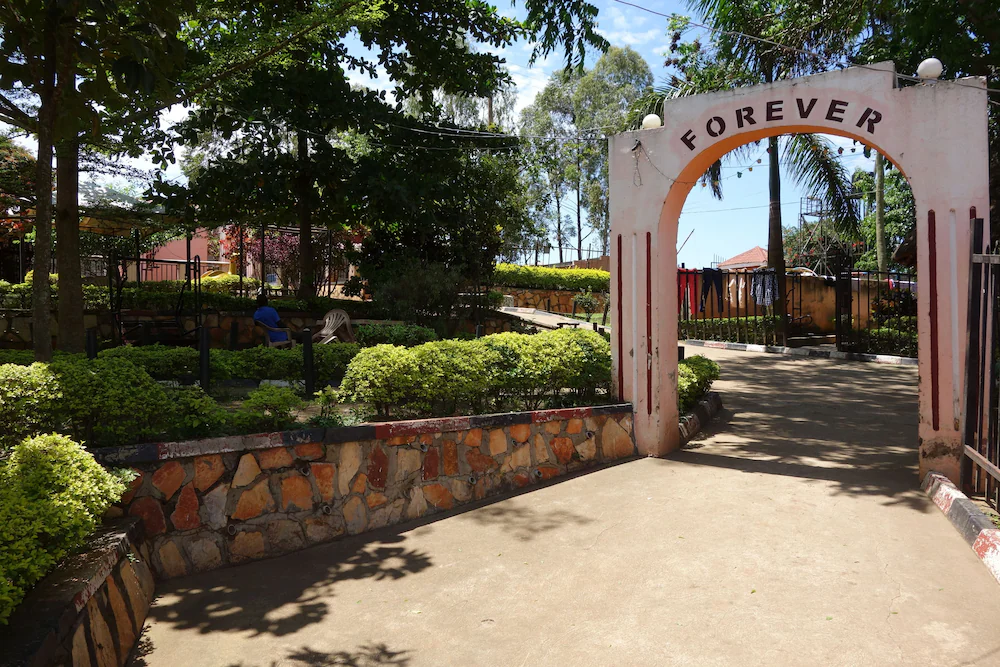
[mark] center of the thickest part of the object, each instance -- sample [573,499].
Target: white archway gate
[935,133]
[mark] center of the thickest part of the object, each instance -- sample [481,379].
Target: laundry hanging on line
[711,278]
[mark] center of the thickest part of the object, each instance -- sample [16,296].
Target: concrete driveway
[791,533]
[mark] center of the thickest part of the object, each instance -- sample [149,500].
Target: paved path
[547,320]
[792,533]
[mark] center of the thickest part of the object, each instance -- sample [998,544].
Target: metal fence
[877,312]
[981,430]
[731,306]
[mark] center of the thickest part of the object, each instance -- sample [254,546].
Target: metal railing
[877,312]
[730,306]
[981,425]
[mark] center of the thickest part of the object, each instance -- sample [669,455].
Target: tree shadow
[370,655]
[283,595]
[522,522]
[849,423]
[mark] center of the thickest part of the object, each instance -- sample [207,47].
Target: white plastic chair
[333,322]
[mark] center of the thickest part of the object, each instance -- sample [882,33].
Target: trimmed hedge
[406,335]
[538,277]
[52,496]
[505,371]
[695,376]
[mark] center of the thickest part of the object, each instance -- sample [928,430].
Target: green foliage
[110,401]
[537,277]
[383,375]
[268,408]
[52,495]
[406,335]
[587,302]
[895,308]
[499,372]
[195,414]
[695,376]
[28,399]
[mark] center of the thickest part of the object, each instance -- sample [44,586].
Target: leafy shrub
[52,494]
[406,335]
[897,303]
[228,283]
[110,401]
[268,408]
[537,277]
[383,375]
[502,371]
[28,396]
[162,362]
[695,376]
[195,414]
[587,302]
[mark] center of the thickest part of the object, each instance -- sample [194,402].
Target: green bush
[537,277]
[268,408]
[406,335]
[52,495]
[28,398]
[195,414]
[384,376]
[499,372]
[695,376]
[110,402]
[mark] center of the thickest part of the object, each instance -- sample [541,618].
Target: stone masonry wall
[209,503]
[90,610]
[556,301]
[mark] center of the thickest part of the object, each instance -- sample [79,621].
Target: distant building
[754,258]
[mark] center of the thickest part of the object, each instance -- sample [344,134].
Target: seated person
[268,316]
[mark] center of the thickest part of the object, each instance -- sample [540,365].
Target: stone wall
[90,610]
[209,503]
[556,301]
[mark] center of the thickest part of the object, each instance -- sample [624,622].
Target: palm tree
[738,57]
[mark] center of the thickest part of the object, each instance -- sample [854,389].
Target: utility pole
[883,261]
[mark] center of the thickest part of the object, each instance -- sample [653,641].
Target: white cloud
[628,37]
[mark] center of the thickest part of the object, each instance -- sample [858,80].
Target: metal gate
[981,439]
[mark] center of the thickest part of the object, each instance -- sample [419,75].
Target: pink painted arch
[935,133]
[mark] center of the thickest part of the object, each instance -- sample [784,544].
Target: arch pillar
[935,133]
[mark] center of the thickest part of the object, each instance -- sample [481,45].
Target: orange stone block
[427,439]
[548,472]
[279,457]
[480,462]
[439,496]
[207,471]
[296,493]
[360,482]
[378,468]
[450,457]
[398,440]
[185,514]
[474,438]
[133,487]
[376,500]
[521,480]
[150,511]
[254,501]
[169,478]
[309,451]
[520,432]
[563,449]
[432,463]
[325,475]
[574,426]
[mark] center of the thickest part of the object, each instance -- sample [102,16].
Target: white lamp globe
[930,68]
[651,121]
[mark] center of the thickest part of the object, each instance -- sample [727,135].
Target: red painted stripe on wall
[539,416]
[618,333]
[932,281]
[649,323]
[416,427]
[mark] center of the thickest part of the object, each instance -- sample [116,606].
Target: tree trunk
[41,302]
[775,242]
[559,238]
[883,258]
[307,277]
[579,222]
[71,333]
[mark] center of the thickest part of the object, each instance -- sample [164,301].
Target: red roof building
[754,258]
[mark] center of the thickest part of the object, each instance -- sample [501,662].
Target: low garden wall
[556,301]
[90,610]
[214,502]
